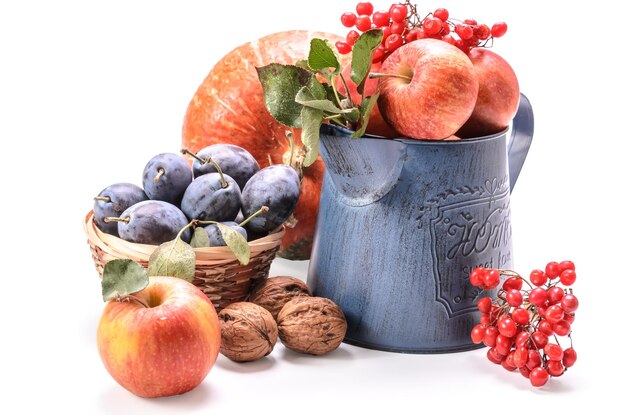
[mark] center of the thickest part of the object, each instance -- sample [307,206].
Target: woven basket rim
[116,246]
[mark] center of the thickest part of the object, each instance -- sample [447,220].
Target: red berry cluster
[401,24]
[517,325]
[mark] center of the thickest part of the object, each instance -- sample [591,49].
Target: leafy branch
[295,96]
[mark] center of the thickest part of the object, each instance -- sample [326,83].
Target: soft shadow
[263,364]
[198,397]
[116,399]
[340,354]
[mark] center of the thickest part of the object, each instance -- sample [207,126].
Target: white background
[89,91]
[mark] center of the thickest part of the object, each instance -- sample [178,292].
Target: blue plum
[215,236]
[152,222]
[112,201]
[166,176]
[277,187]
[233,160]
[206,199]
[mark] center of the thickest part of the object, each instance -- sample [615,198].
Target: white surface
[89,91]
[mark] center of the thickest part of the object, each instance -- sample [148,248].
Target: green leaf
[362,53]
[366,107]
[306,98]
[122,277]
[280,85]
[311,122]
[236,242]
[200,239]
[322,56]
[173,259]
[317,89]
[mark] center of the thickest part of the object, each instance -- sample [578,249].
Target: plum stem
[291,149]
[109,219]
[258,212]
[223,181]
[375,75]
[195,156]
[187,226]
[159,174]
[103,198]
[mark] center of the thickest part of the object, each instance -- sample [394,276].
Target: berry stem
[375,75]
[511,273]
[159,174]
[109,219]
[258,212]
[102,198]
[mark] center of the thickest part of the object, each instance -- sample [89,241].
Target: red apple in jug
[428,89]
[228,107]
[498,95]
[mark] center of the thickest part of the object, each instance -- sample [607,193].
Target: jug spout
[363,170]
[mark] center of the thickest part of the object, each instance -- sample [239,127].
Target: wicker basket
[218,273]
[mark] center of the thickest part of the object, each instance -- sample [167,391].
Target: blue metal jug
[401,225]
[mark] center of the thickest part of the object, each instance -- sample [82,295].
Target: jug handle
[520,139]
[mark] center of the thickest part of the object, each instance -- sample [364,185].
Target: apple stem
[258,212]
[159,174]
[375,75]
[102,198]
[131,297]
[109,219]
[205,161]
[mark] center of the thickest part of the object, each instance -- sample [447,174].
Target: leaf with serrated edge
[362,53]
[122,277]
[311,122]
[173,259]
[280,85]
[366,110]
[322,56]
[199,239]
[236,242]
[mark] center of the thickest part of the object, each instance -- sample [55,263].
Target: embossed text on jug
[468,229]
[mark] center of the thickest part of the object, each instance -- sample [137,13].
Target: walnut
[249,332]
[312,325]
[275,292]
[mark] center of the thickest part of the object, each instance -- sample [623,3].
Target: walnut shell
[312,325]
[275,292]
[249,332]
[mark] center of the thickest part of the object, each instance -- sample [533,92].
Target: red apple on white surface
[429,89]
[376,125]
[163,343]
[498,95]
